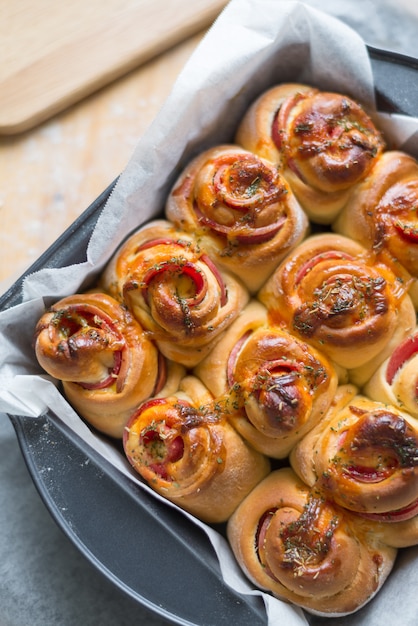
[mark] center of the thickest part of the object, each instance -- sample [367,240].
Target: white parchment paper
[253,45]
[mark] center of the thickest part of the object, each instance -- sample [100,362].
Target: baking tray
[150,551]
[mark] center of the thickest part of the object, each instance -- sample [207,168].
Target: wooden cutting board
[52,53]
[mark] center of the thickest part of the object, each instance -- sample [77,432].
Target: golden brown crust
[396,534]
[282,388]
[305,550]
[382,211]
[273,387]
[324,142]
[107,363]
[175,291]
[240,210]
[190,455]
[363,456]
[330,293]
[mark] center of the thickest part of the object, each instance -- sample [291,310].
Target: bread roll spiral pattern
[305,549]
[175,290]
[241,210]
[396,380]
[183,446]
[324,142]
[107,363]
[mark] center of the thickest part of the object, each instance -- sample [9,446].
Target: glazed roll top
[282,386]
[396,380]
[238,334]
[175,290]
[240,209]
[350,306]
[364,457]
[382,212]
[306,550]
[107,363]
[325,143]
[186,450]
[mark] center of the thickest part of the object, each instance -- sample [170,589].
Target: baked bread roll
[106,362]
[306,550]
[186,450]
[175,291]
[364,456]
[396,380]
[330,293]
[275,387]
[324,142]
[240,209]
[382,212]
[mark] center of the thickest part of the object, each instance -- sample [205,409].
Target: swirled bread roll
[106,362]
[364,456]
[306,550]
[186,450]
[325,143]
[175,291]
[240,209]
[330,293]
[274,387]
[382,212]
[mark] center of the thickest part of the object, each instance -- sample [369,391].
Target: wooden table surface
[49,175]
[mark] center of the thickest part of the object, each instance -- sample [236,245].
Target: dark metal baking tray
[126,533]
